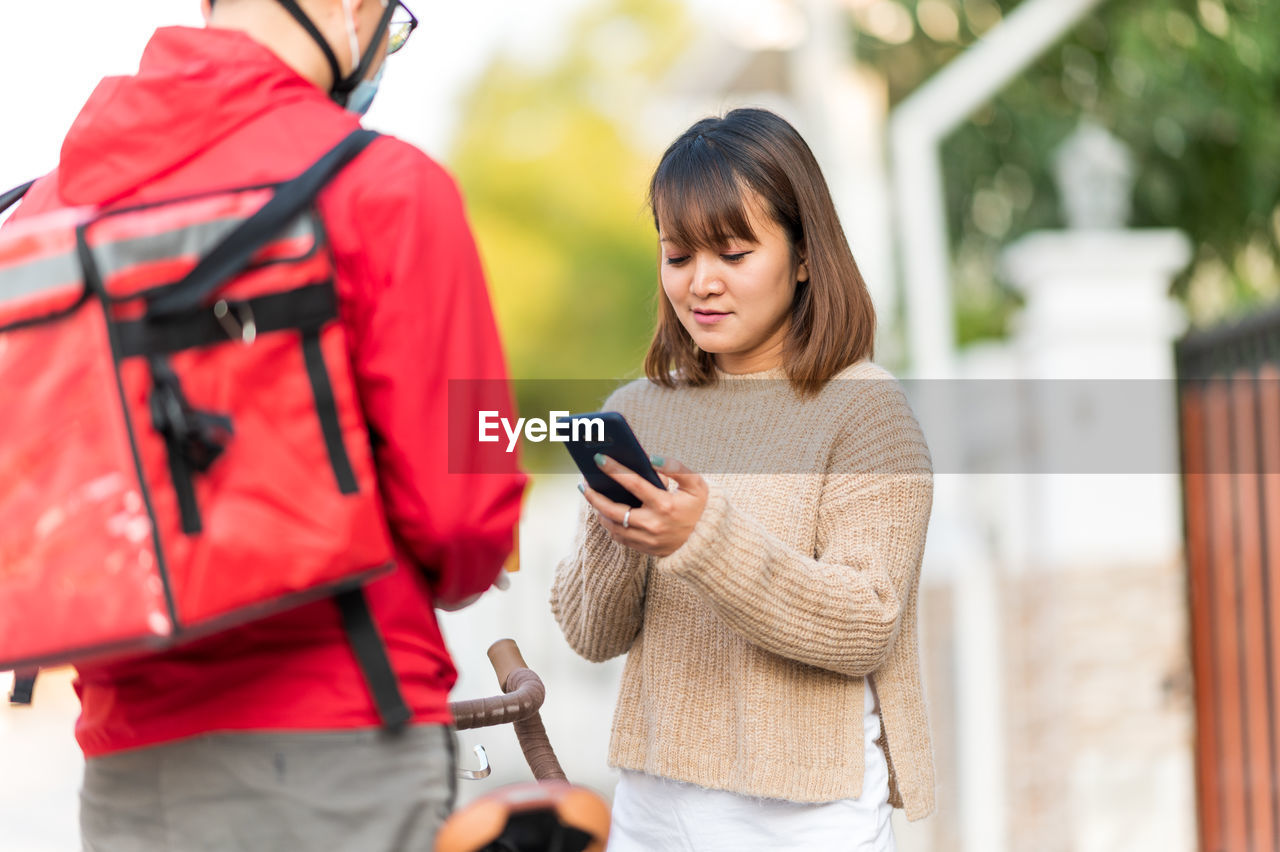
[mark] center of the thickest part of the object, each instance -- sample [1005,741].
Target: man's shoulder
[394,171]
[393,186]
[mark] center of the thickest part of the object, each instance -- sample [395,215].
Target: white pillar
[1095,342]
[918,127]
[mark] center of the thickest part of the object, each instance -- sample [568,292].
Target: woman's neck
[759,360]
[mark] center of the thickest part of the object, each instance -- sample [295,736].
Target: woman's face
[735,299]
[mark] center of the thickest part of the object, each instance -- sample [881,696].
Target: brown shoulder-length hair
[700,196]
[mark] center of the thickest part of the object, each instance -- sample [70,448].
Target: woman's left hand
[664,522]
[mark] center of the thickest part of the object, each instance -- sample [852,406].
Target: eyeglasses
[402,25]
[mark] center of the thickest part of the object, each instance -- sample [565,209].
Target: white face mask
[361,97]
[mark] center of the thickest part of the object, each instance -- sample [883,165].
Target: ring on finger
[626,519]
[672,485]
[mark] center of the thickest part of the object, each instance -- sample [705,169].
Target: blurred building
[1057,553]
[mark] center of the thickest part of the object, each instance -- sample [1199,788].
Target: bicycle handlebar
[524,698]
[506,658]
[523,694]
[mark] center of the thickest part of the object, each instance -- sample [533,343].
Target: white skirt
[652,814]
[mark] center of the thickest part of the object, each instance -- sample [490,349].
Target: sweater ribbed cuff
[704,549]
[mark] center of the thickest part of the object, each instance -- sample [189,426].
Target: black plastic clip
[24,687]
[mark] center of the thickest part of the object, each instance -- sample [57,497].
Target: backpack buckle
[237,320]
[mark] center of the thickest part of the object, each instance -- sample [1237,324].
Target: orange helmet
[532,817]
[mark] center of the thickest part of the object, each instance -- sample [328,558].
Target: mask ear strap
[343,88]
[294,9]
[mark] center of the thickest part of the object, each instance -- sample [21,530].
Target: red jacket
[211,109]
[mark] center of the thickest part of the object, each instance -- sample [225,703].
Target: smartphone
[608,433]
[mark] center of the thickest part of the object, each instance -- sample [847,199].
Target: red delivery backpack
[182,447]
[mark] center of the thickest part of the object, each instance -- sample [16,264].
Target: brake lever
[484,771]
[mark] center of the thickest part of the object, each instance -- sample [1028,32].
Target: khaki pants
[364,791]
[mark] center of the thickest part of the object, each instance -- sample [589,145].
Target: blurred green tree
[555,183]
[1191,86]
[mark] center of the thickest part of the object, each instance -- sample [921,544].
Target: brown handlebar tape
[505,656]
[536,746]
[521,703]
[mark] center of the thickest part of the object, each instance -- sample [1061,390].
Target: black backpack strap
[371,655]
[14,195]
[232,255]
[24,686]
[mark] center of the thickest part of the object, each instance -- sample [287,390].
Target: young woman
[771,697]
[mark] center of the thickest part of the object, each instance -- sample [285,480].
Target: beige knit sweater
[747,647]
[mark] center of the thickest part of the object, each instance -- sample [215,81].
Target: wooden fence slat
[1269,434]
[1227,642]
[1252,614]
[1200,598]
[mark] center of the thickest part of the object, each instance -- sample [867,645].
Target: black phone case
[619,444]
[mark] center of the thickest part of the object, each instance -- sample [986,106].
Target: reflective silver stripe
[192,241]
[18,282]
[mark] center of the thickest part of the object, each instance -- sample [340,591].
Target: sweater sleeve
[841,608]
[598,593]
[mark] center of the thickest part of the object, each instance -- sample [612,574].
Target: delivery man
[265,737]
